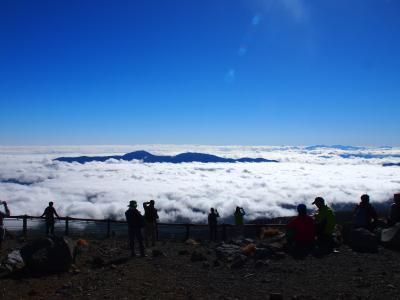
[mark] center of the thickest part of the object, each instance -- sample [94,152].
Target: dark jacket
[134,218]
[212,218]
[49,213]
[150,213]
[364,214]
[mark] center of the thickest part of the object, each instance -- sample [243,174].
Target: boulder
[49,254]
[157,253]
[239,261]
[362,240]
[197,256]
[391,236]
[227,250]
[262,253]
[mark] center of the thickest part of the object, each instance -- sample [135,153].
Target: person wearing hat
[395,210]
[365,215]
[325,223]
[300,232]
[135,222]
[150,217]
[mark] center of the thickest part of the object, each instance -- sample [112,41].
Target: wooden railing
[222,228]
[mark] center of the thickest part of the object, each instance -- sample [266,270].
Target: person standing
[150,218]
[239,214]
[135,222]
[49,214]
[325,223]
[213,224]
[4,214]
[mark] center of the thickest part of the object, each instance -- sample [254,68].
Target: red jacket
[304,230]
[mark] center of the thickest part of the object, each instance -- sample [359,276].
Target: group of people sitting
[305,233]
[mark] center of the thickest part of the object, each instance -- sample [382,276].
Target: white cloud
[29,179]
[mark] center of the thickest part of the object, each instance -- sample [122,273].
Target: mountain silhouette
[151,158]
[339,147]
[391,164]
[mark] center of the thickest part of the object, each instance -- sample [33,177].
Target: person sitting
[325,223]
[300,233]
[364,214]
[213,224]
[394,210]
[239,213]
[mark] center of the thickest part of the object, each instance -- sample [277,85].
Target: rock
[259,264]
[216,263]
[183,252]
[276,246]
[362,240]
[53,254]
[197,256]
[279,255]
[191,242]
[248,241]
[391,236]
[225,251]
[249,249]
[97,261]
[206,265]
[32,293]
[275,296]
[262,253]
[157,253]
[238,262]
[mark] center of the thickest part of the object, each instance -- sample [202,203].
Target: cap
[319,200]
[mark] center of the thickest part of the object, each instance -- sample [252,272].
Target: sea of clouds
[29,179]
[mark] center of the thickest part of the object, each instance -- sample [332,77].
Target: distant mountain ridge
[151,158]
[339,147]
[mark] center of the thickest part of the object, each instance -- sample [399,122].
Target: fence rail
[108,227]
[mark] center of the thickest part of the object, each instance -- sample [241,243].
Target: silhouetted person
[300,233]
[213,224]
[364,214]
[394,210]
[135,222]
[4,214]
[239,214]
[150,217]
[49,214]
[324,225]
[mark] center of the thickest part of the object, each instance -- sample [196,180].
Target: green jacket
[326,217]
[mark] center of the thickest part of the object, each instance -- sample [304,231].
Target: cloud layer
[29,179]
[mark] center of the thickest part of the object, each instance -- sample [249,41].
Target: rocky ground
[178,270]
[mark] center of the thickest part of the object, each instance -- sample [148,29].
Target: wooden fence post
[25,225]
[67,226]
[187,231]
[108,228]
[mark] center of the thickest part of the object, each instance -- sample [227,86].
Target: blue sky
[205,72]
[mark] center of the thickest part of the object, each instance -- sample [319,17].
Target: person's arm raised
[7,210]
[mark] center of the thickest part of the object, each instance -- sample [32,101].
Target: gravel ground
[343,275]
